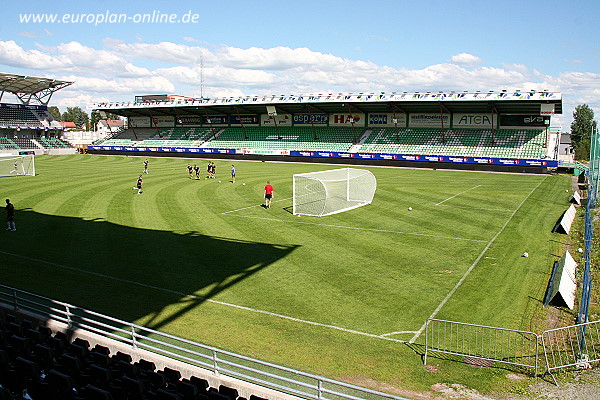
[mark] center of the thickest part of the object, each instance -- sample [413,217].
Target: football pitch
[345,296]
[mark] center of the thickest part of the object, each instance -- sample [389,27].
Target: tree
[581,130]
[77,115]
[55,112]
[95,117]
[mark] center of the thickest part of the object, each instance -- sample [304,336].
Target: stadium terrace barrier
[571,346]
[219,362]
[343,155]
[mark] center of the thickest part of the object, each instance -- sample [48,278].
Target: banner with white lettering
[387,120]
[163,121]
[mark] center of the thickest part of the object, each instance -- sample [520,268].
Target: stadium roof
[28,88]
[503,102]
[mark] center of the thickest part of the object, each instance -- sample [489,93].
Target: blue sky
[284,47]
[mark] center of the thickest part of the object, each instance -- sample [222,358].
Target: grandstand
[493,128]
[28,126]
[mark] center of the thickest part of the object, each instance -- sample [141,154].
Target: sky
[115,50]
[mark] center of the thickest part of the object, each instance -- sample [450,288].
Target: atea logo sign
[473,120]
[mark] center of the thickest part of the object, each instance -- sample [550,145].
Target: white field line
[397,333]
[255,205]
[360,229]
[477,208]
[193,296]
[466,274]
[458,194]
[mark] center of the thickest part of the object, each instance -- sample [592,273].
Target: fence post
[15,300]
[133,337]
[69,320]
[215,362]
[319,389]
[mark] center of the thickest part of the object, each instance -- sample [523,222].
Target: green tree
[95,117]
[55,112]
[77,115]
[581,130]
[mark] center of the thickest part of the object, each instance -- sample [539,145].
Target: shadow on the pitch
[128,273]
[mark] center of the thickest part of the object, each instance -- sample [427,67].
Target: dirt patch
[457,391]
[388,388]
[431,368]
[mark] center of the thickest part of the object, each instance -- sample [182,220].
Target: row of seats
[46,365]
[53,143]
[510,143]
[20,117]
[517,143]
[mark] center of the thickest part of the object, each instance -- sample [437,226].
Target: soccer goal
[11,165]
[330,192]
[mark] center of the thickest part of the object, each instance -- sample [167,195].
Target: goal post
[17,165]
[330,192]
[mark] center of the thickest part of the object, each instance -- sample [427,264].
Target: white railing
[219,362]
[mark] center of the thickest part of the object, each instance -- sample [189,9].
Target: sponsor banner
[215,120]
[428,158]
[244,120]
[281,119]
[138,122]
[428,120]
[163,149]
[29,107]
[387,120]
[347,119]
[189,121]
[310,119]
[269,152]
[524,120]
[163,122]
[461,120]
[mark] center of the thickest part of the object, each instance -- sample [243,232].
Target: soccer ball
[526,254]
[580,250]
[566,190]
[219,181]
[409,208]
[243,184]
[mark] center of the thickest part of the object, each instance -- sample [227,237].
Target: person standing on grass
[232,173]
[189,167]
[197,171]
[10,216]
[268,194]
[146,166]
[139,185]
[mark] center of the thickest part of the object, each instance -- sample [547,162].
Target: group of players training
[210,174]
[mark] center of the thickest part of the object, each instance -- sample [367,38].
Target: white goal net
[330,192]
[17,165]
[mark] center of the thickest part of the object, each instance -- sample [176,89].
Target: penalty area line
[361,229]
[255,205]
[458,194]
[193,296]
[479,257]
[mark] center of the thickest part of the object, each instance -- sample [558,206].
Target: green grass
[85,237]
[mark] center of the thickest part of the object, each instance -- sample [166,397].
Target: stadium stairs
[57,364]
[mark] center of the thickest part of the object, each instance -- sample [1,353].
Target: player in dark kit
[146,166]
[208,170]
[138,185]
[189,167]
[197,171]
[10,216]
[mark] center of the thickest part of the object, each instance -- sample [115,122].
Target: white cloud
[465,59]
[120,70]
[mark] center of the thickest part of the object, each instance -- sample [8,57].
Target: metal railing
[480,342]
[570,346]
[219,362]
